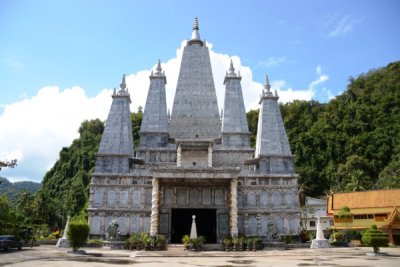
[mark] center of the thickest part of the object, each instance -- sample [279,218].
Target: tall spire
[116,143]
[195,111]
[154,128]
[271,134]
[235,129]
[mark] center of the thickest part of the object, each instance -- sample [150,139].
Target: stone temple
[194,161]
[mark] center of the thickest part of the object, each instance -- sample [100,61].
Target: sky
[60,60]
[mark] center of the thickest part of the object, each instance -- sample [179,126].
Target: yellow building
[379,207]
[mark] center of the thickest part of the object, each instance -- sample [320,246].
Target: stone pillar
[233,211]
[154,219]
[210,151]
[179,156]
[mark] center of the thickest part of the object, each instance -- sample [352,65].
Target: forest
[350,143]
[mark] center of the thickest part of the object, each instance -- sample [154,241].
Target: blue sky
[58,56]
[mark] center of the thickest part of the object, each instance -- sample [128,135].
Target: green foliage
[145,241]
[344,212]
[77,233]
[375,238]
[338,239]
[351,143]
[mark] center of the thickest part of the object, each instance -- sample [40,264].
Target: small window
[197,135]
[134,182]
[194,163]
[312,223]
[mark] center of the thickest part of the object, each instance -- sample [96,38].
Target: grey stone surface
[154,127]
[235,129]
[195,109]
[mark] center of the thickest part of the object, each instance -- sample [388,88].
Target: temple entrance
[206,222]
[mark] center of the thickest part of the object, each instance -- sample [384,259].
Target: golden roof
[365,199]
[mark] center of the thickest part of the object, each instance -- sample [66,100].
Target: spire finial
[123,84]
[158,69]
[231,68]
[195,33]
[196,24]
[267,86]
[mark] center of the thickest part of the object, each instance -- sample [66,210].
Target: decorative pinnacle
[123,84]
[195,33]
[267,86]
[231,68]
[158,69]
[195,24]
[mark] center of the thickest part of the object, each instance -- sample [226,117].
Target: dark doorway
[206,222]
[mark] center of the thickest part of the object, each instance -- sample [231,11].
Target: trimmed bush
[77,234]
[375,238]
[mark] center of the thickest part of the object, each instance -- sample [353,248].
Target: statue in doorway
[112,231]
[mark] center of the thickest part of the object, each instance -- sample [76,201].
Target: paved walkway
[46,256]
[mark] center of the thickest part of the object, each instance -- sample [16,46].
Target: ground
[46,256]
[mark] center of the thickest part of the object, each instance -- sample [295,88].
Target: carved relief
[123,195]
[264,199]
[136,198]
[111,198]
[98,198]
[206,196]
[251,199]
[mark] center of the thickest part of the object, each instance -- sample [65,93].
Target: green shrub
[374,238]
[144,241]
[77,234]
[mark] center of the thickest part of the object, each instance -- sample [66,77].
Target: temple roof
[365,199]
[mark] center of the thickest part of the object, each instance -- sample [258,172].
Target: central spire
[195,109]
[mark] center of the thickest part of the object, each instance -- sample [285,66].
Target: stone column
[233,212]
[210,151]
[179,156]
[154,219]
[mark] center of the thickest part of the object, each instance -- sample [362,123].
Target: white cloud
[271,62]
[35,129]
[341,26]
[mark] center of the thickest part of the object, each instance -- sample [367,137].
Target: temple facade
[195,161]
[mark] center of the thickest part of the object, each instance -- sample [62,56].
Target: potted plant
[241,243]
[186,241]
[227,243]
[235,242]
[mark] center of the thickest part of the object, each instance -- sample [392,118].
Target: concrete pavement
[46,256]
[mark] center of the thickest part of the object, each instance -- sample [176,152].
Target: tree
[77,234]
[374,238]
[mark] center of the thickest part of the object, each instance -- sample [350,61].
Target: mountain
[11,190]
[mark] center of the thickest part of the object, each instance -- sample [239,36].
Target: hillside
[11,190]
